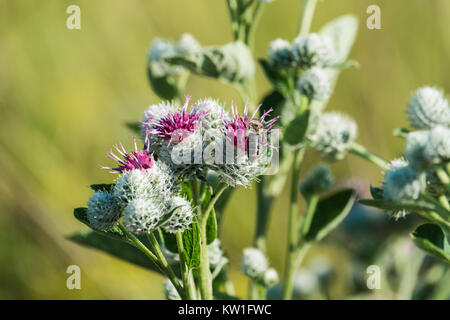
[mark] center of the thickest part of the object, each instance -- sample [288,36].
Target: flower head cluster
[147,194]
[280,54]
[334,135]
[254,265]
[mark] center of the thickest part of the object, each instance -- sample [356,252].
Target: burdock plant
[163,209]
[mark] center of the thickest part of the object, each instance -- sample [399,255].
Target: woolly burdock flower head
[280,55]
[181,218]
[334,136]
[137,159]
[319,179]
[143,215]
[169,290]
[154,183]
[103,211]
[174,127]
[254,263]
[414,151]
[315,84]
[313,50]
[437,148]
[248,150]
[270,277]
[402,183]
[428,108]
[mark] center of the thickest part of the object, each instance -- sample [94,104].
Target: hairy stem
[362,152]
[308,7]
[292,237]
[204,270]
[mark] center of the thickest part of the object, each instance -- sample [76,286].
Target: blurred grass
[64,96]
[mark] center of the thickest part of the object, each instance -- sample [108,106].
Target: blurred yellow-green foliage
[65,95]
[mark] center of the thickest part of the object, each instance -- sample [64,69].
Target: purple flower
[240,127]
[175,126]
[137,159]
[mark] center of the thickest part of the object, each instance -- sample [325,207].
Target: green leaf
[296,130]
[329,212]
[430,238]
[119,249]
[376,193]
[103,187]
[417,205]
[211,227]
[115,233]
[191,243]
[165,86]
[168,240]
[278,79]
[134,127]
[281,107]
[342,32]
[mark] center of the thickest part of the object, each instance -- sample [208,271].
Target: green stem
[443,176]
[307,218]
[306,17]
[169,272]
[292,226]
[163,268]
[362,152]
[188,283]
[204,270]
[264,207]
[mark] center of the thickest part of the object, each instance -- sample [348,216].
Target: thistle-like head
[103,211]
[254,263]
[428,108]
[315,84]
[280,54]
[313,50]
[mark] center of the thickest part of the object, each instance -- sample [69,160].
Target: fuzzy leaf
[113,247]
[165,86]
[211,227]
[191,243]
[296,130]
[115,233]
[103,187]
[416,205]
[134,127]
[430,238]
[329,213]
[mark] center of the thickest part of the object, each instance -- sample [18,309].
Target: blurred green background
[65,95]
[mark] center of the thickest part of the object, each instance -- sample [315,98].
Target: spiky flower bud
[254,263]
[182,217]
[315,84]
[437,148]
[187,45]
[271,277]
[214,111]
[280,55]
[334,136]
[428,108]
[156,182]
[402,183]
[237,63]
[313,50]
[170,292]
[142,216]
[103,211]
[319,179]
[215,253]
[414,151]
